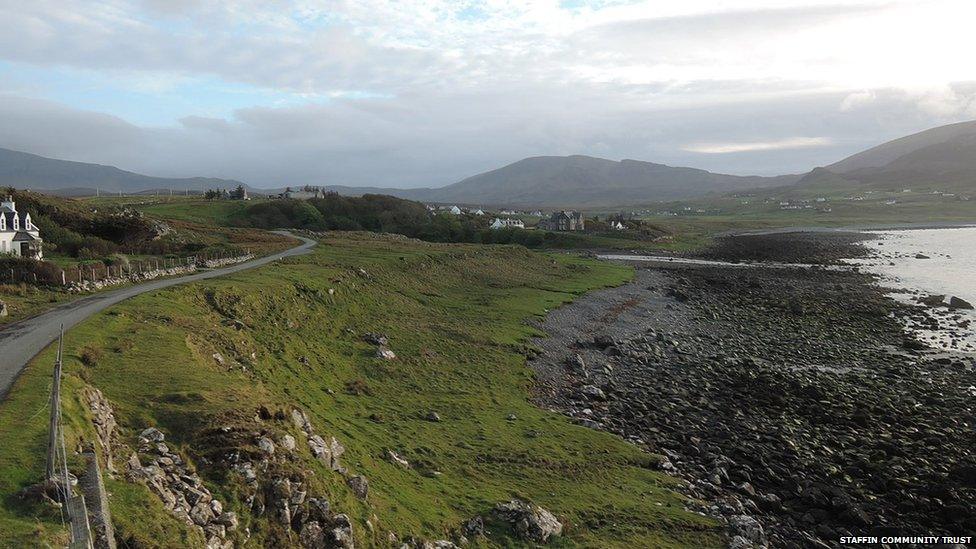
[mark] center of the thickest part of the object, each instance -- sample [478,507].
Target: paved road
[21,341]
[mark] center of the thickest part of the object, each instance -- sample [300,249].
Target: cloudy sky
[425,92]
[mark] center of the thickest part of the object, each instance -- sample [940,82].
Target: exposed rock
[326,452]
[959,303]
[385,353]
[433,416]
[312,536]
[359,485]
[593,392]
[932,300]
[266,446]
[530,522]
[815,427]
[228,519]
[103,418]
[576,364]
[287,442]
[180,489]
[397,460]
[474,527]
[375,339]
[748,528]
[3,309]
[341,534]
[152,434]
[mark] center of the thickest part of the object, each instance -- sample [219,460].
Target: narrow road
[22,340]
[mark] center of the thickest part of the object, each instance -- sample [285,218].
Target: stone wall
[135,278]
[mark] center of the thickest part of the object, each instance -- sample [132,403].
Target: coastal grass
[459,318]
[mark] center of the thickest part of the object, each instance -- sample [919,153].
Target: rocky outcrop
[103,419]
[269,461]
[327,450]
[530,522]
[3,309]
[181,490]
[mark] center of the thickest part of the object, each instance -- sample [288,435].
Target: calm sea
[950,270]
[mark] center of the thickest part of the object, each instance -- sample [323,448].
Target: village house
[18,235]
[303,193]
[506,223]
[563,221]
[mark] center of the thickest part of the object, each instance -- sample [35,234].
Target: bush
[90,355]
[24,270]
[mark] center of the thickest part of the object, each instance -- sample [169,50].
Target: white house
[18,235]
[500,223]
[455,210]
[478,212]
[617,226]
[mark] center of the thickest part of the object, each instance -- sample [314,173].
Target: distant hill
[886,153]
[942,158]
[25,170]
[581,181]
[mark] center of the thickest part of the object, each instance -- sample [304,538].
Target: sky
[426,92]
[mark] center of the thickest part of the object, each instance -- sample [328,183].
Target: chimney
[8,203]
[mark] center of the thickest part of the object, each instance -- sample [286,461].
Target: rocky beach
[792,400]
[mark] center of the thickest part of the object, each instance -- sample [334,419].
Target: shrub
[90,355]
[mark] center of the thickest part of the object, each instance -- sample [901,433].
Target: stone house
[18,235]
[564,220]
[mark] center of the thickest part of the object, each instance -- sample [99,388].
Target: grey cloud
[428,140]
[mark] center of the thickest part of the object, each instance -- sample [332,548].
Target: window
[16,222]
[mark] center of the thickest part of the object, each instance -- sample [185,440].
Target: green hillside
[455,315]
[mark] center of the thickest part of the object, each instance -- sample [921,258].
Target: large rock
[749,528]
[359,485]
[959,303]
[152,434]
[593,392]
[3,309]
[932,300]
[341,533]
[530,522]
[312,535]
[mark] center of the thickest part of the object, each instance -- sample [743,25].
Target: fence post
[64,282]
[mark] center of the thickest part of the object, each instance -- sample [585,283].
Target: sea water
[923,262]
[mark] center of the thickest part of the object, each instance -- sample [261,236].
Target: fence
[49,274]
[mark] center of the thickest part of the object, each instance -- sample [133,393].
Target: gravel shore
[787,397]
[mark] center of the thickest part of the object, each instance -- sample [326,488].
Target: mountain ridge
[28,170]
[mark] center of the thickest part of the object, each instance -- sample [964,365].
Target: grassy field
[813,206]
[456,316]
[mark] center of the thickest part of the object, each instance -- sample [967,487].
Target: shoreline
[790,397]
[868,227]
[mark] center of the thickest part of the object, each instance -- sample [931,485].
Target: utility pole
[53,430]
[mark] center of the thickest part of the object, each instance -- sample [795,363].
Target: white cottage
[505,223]
[18,235]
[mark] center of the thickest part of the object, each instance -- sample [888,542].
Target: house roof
[24,236]
[8,214]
